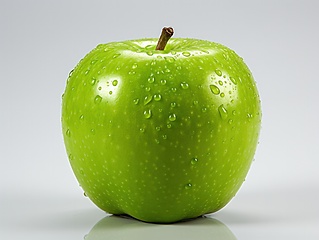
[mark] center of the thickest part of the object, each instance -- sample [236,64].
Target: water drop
[222,111]
[174,89]
[116,55]
[158,128]
[149,53]
[163,81]
[230,121]
[81,117]
[234,112]
[147,99]
[169,59]
[204,109]
[194,161]
[97,99]
[134,66]
[142,130]
[186,54]
[86,72]
[188,186]
[222,94]
[220,83]
[233,80]
[71,72]
[173,104]
[93,131]
[151,79]
[157,97]
[172,117]
[68,132]
[164,136]
[100,88]
[147,113]
[115,82]
[110,92]
[214,89]
[93,81]
[184,85]
[218,72]
[195,102]
[84,193]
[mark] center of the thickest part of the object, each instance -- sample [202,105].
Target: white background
[41,41]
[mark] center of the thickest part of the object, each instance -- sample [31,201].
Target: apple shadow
[125,227]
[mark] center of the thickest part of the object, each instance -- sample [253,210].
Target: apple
[162,130]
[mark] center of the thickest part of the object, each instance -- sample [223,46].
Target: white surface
[42,41]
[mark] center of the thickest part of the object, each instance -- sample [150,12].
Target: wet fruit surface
[161,135]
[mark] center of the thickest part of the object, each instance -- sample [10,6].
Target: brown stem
[167,33]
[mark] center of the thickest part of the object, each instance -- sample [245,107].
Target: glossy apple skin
[161,135]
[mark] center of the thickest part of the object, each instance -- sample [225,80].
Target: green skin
[161,135]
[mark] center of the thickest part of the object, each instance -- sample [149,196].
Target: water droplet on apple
[147,89]
[173,104]
[186,54]
[163,81]
[169,59]
[204,109]
[97,99]
[188,186]
[158,128]
[93,131]
[71,158]
[218,72]
[84,193]
[222,112]
[151,79]
[93,81]
[116,55]
[230,121]
[184,85]
[233,80]
[115,82]
[68,132]
[194,161]
[71,72]
[249,116]
[169,125]
[234,112]
[220,83]
[164,136]
[214,89]
[157,97]
[149,53]
[110,92]
[81,117]
[142,130]
[134,66]
[147,113]
[195,102]
[172,117]
[174,89]
[222,94]
[147,99]
[136,101]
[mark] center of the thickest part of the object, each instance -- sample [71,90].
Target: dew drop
[81,117]
[220,83]
[142,130]
[173,104]
[230,121]
[222,111]
[116,55]
[169,59]
[194,161]
[93,131]
[186,54]
[172,117]
[234,112]
[158,128]
[110,92]
[218,72]
[163,81]
[93,81]
[164,136]
[184,85]
[222,94]
[147,114]
[169,125]
[174,89]
[97,99]
[68,132]
[233,80]
[157,97]
[188,186]
[151,79]
[134,66]
[214,89]
[115,82]
[147,99]
[87,72]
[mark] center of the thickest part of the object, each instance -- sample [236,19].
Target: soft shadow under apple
[119,227]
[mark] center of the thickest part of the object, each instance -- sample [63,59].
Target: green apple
[161,133]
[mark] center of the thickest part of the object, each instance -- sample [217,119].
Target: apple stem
[167,33]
